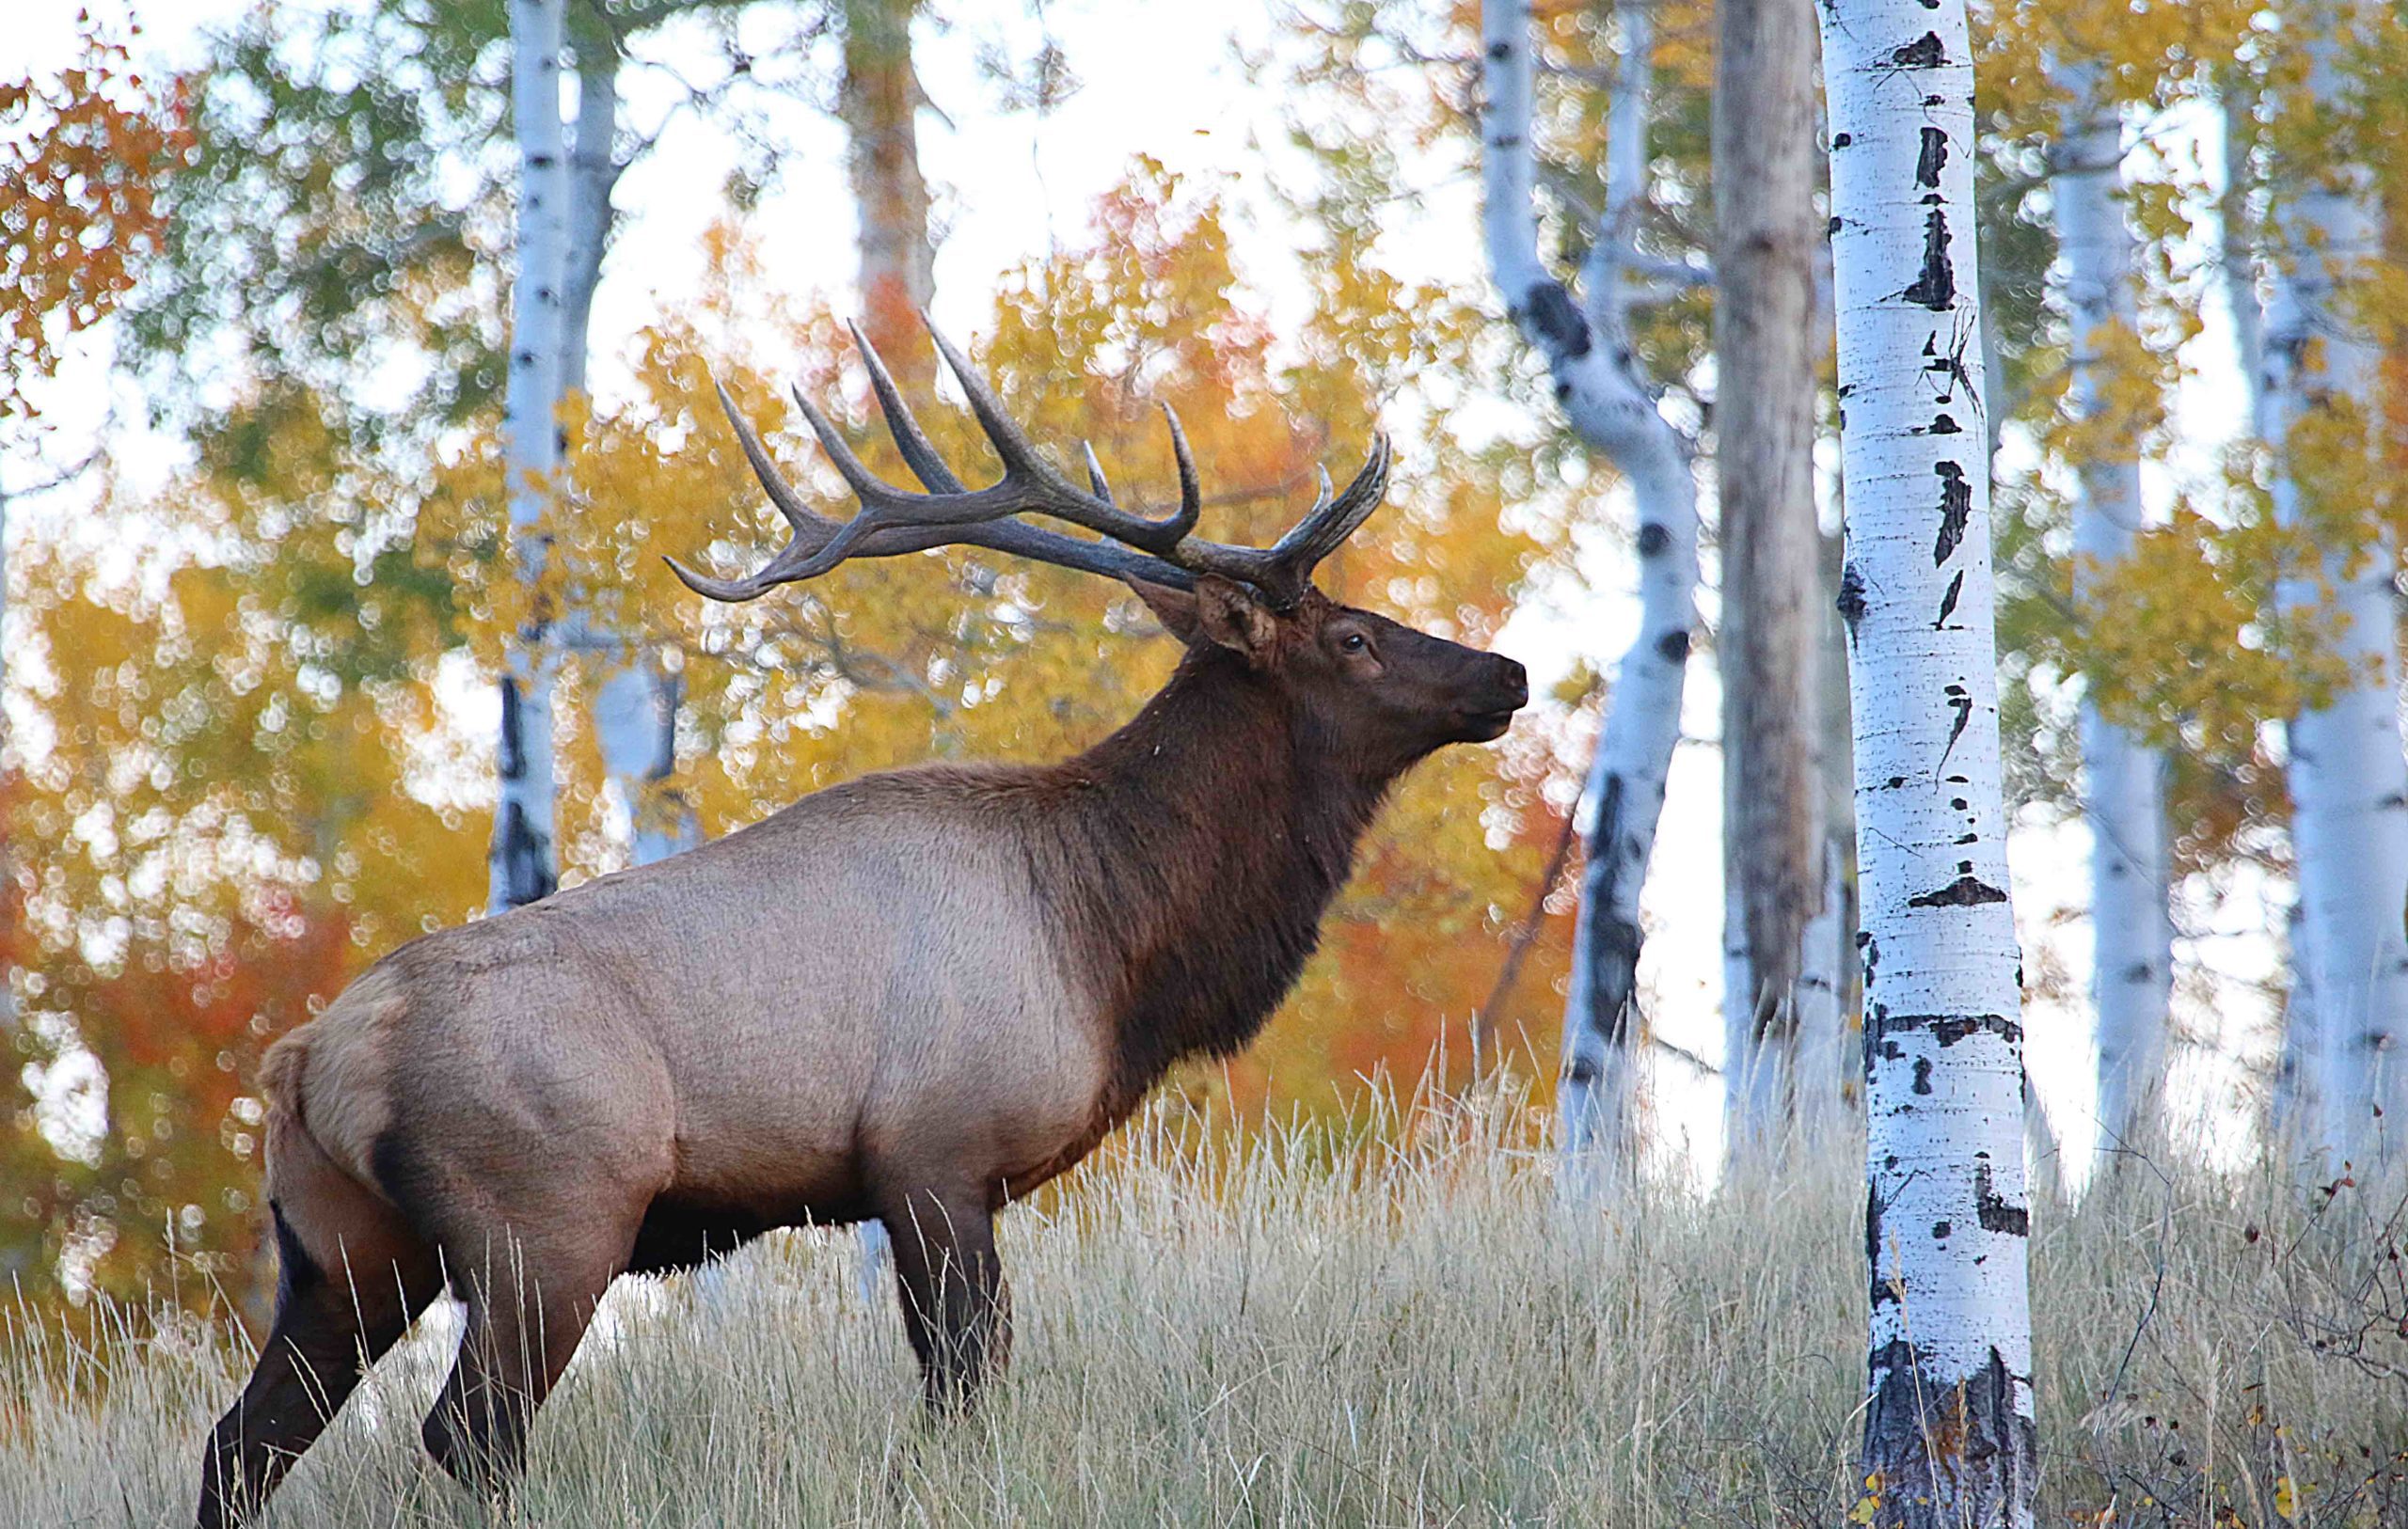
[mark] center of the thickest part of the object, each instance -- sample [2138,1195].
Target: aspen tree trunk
[524,857]
[2123,780]
[1828,1082]
[1948,1436]
[2294,1113]
[2349,785]
[1612,410]
[878,100]
[634,709]
[1773,848]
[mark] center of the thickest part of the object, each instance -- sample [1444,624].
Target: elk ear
[1231,615]
[1174,608]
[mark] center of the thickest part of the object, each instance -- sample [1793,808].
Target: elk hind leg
[339,1307]
[528,1302]
[955,1307]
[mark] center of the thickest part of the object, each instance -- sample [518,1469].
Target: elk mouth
[1489,726]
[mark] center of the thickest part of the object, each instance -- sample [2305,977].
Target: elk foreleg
[950,1280]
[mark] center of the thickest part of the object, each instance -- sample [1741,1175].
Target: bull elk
[914,997]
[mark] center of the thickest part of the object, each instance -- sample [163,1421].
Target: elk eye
[1353,642]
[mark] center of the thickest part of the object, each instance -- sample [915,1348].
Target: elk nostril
[1517,680]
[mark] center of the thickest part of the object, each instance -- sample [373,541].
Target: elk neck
[1192,857]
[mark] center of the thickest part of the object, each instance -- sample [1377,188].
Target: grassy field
[1387,1323]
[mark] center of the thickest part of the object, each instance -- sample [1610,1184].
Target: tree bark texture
[524,859]
[2348,782]
[879,99]
[1949,1439]
[1764,350]
[2123,780]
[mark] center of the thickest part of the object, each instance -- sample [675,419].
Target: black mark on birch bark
[1955,509]
[1851,600]
[1653,540]
[1613,940]
[1675,646]
[1996,1214]
[1931,1439]
[1965,891]
[1882,1289]
[512,766]
[1932,158]
[1945,1030]
[1924,52]
[1948,600]
[1961,700]
[1935,286]
[1560,327]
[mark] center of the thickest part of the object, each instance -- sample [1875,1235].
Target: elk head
[1374,692]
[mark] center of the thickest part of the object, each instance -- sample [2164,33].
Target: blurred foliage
[82,157]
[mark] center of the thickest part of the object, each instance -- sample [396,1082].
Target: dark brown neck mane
[1192,856]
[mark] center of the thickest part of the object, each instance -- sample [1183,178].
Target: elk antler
[894,520]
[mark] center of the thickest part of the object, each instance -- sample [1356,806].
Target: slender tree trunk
[878,100]
[1948,1436]
[524,857]
[2348,782]
[2123,780]
[634,709]
[1612,410]
[1773,850]
[2295,1111]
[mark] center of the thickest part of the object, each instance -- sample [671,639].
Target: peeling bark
[524,857]
[2123,780]
[1949,1437]
[1764,349]
[1611,408]
[2349,785]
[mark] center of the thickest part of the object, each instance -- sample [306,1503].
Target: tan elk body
[913,997]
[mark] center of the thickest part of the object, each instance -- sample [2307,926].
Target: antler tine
[918,454]
[1330,522]
[1021,458]
[805,520]
[1191,494]
[1048,492]
[1095,473]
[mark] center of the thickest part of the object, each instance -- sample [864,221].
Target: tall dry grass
[1383,1322]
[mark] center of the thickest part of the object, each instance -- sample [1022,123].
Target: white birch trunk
[2123,780]
[2294,1113]
[1948,1436]
[524,859]
[634,709]
[1612,411]
[2348,782]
